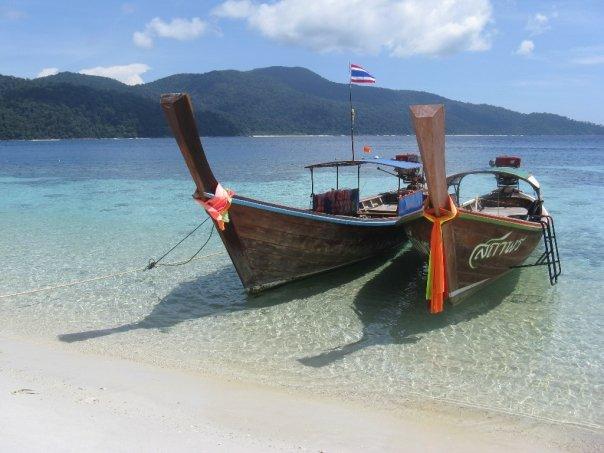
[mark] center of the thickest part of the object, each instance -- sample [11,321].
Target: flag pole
[351,109]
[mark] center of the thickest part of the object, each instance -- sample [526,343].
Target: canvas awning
[385,162]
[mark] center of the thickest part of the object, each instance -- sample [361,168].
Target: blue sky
[530,56]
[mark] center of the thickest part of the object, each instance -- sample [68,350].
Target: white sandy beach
[58,400]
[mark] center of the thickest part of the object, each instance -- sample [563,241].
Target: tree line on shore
[275,100]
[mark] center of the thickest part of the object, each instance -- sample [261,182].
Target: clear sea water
[76,209]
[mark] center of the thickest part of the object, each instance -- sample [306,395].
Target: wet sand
[53,399]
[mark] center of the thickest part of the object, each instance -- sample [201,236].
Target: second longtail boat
[471,243]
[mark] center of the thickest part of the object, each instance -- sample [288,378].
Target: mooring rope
[151,265]
[93,279]
[180,263]
[73,283]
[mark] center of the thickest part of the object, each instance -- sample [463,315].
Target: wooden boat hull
[485,248]
[270,244]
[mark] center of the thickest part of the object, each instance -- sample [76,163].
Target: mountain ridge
[275,100]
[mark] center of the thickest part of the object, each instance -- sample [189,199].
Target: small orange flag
[366,149]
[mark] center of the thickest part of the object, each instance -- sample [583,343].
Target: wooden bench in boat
[384,210]
[505,211]
[391,204]
[515,206]
[376,207]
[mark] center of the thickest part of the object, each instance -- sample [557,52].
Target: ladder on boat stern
[550,256]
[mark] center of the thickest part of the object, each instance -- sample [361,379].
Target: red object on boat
[218,206]
[507,161]
[409,157]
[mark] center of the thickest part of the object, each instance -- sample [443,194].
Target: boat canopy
[386,162]
[505,171]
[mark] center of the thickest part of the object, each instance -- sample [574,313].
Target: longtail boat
[271,244]
[469,244]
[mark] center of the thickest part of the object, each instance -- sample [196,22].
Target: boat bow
[179,112]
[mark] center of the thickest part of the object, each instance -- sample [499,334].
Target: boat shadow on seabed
[393,310]
[197,299]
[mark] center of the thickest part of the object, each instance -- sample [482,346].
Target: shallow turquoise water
[75,209]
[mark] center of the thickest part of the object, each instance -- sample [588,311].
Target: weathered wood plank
[179,113]
[429,124]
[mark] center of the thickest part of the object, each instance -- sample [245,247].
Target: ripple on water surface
[363,332]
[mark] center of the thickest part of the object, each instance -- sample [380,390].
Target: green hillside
[275,100]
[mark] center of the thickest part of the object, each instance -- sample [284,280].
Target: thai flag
[359,75]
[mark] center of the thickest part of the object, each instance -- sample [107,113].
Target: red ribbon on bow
[218,206]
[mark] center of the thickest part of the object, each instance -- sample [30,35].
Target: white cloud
[235,9]
[540,23]
[47,72]
[526,48]
[129,74]
[142,39]
[400,27]
[179,29]
[589,60]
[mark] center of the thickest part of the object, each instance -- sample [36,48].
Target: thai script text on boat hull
[493,248]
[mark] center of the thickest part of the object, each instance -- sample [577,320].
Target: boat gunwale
[343,220]
[498,220]
[322,217]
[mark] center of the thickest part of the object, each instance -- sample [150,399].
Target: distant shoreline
[291,136]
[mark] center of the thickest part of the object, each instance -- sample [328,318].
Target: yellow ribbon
[436,285]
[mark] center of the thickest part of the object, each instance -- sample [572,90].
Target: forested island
[274,100]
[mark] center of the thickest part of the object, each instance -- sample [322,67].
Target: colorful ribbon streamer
[218,206]
[436,285]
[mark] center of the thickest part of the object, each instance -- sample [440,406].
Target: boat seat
[506,211]
[534,209]
[384,210]
[370,203]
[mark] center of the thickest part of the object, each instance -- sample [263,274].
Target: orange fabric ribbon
[218,206]
[436,285]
